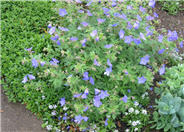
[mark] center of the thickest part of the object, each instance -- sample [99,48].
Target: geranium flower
[161,51]
[139,18]
[78,119]
[52,30]
[62,102]
[42,63]
[85,109]
[93,33]
[162,70]
[54,62]
[91,80]
[155,14]
[73,39]
[108,71]
[141,80]
[125,99]
[103,94]
[106,123]
[136,25]
[83,42]
[96,63]
[160,38]
[100,20]
[144,60]
[109,63]
[89,13]
[142,36]
[137,41]
[142,9]
[34,63]
[31,77]
[97,91]
[181,44]
[108,46]
[121,34]
[25,79]
[85,76]
[172,36]
[63,29]
[77,95]
[129,25]
[97,101]
[128,39]
[85,24]
[152,3]
[62,12]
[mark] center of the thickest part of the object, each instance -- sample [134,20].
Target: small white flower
[126,113]
[144,112]
[138,122]
[146,93]
[143,96]
[134,123]
[136,112]
[136,129]
[116,131]
[136,103]
[53,113]
[43,97]
[130,121]
[49,127]
[65,108]
[131,110]
[127,130]
[50,107]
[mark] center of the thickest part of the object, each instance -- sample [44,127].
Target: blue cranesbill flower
[54,62]
[129,25]
[55,37]
[89,13]
[144,60]
[86,108]
[88,4]
[139,18]
[129,7]
[161,51]
[78,1]
[62,12]
[143,10]
[106,123]
[114,25]
[52,30]
[103,94]
[85,118]
[123,16]
[77,95]
[136,25]
[91,80]
[109,63]
[121,34]
[106,10]
[152,3]
[58,42]
[96,101]
[149,18]
[117,14]
[141,80]
[162,70]
[42,63]
[142,36]
[73,39]
[62,102]
[31,77]
[137,41]
[96,62]
[181,44]
[63,29]
[85,24]
[83,42]
[155,14]
[108,71]
[85,76]
[34,63]
[125,98]
[78,119]
[113,4]
[160,38]
[172,36]
[108,46]
[49,26]
[25,79]
[100,20]
[93,33]
[97,91]
[128,39]
[80,11]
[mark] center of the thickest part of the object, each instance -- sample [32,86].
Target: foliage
[172,7]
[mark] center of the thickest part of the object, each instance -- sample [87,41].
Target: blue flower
[106,123]
[93,33]
[108,71]
[89,13]
[63,29]
[139,18]
[129,7]
[85,76]
[144,60]
[83,42]
[34,63]
[172,36]
[121,34]
[142,9]
[58,42]
[123,16]
[85,118]
[78,1]
[100,20]
[49,26]
[114,25]
[162,70]
[42,63]
[141,80]
[160,38]
[54,62]
[85,24]
[77,95]
[31,77]
[108,46]
[155,14]
[97,101]
[136,25]
[128,39]
[129,25]
[106,10]
[52,30]
[149,18]
[116,14]
[55,37]
[62,12]
[85,109]
[73,39]
[91,80]
[96,62]
[78,119]
[161,51]
[25,79]
[181,44]
[128,90]
[109,63]
[103,94]
[137,41]
[97,91]
[125,99]
[114,4]
[80,11]
[142,36]
[62,102]
[152,3]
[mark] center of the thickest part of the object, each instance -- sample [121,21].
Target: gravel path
[16,118]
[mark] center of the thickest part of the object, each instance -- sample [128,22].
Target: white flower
[130,121]
[127,130]
[144,112]
[116,131]
[136,129]
[65,108]
[126,113]
[43,97]
[146,93]
[136,103]
[131,110]
[138,122]
[50,107]
[136,112]
[53,113]
[143,96]
[49,127]
[134,123]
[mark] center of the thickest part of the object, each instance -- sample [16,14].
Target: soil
[170,22]
[16,118]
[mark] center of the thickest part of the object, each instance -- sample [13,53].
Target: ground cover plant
[96,69]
